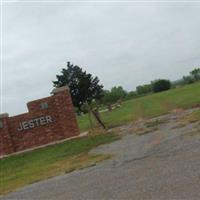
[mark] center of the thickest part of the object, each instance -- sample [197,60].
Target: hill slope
[149,106]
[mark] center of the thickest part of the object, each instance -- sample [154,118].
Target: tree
[115,94]
[106,97]
[144,89]
[83,87]
[188,80]
[118,93]
[161,85]
[195,74]
[131,95]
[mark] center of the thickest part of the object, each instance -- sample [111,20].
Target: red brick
[64,124]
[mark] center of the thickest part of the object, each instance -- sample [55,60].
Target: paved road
[164,164]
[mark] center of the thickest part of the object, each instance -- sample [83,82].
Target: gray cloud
[123,43]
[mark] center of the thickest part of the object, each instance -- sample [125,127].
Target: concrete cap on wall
[60,89]
[4,115]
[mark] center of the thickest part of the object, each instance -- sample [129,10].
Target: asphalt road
[164,164]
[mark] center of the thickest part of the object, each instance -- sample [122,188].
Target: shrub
[161,85]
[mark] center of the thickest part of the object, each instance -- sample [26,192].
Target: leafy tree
[83,87]
[131,95]
[195,74]
[106,97]
[177,83]
[115,94]
[188,80]
[144,89]
[118,93]
[161,85]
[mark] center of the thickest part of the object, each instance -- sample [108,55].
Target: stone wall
[49,119]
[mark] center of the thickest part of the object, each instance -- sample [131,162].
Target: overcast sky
[124,44]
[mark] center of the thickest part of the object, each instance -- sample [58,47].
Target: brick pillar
[6,145]
[65,111]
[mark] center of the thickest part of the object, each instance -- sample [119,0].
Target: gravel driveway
[163,164]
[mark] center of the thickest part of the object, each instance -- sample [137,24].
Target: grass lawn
[149,106]
[19,170]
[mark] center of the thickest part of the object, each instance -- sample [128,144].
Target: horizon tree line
[88,92]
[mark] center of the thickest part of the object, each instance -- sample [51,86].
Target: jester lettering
[35,123]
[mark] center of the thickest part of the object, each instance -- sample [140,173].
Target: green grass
[149,106]
[19,170]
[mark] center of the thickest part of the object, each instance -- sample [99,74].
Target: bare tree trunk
[98,119]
